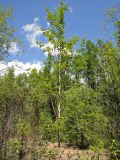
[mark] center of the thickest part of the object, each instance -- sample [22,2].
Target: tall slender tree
[59,47]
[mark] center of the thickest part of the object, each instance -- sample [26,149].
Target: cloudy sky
[85,18]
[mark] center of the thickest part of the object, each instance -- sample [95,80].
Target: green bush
[84,123]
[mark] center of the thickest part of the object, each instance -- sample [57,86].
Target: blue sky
[85,19]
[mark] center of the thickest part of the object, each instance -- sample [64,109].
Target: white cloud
[36,19]
[71,10]
[14,49]
[48,24]
[20,67]
[33,31]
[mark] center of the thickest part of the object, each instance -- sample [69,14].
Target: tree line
[74,100]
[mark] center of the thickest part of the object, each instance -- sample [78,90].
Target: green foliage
[113,16]
[83,118]
[13,145]
[53,105]
[114,148]
[117,33]
[24,128]
[6,31]
[52,154]
[109,85]
[46,127]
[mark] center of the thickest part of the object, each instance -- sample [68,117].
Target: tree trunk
[59,99]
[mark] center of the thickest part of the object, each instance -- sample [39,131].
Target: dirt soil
[69,153]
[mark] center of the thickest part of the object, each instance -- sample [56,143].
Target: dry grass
[68,153]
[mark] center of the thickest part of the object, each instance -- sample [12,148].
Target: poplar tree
[61,50]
